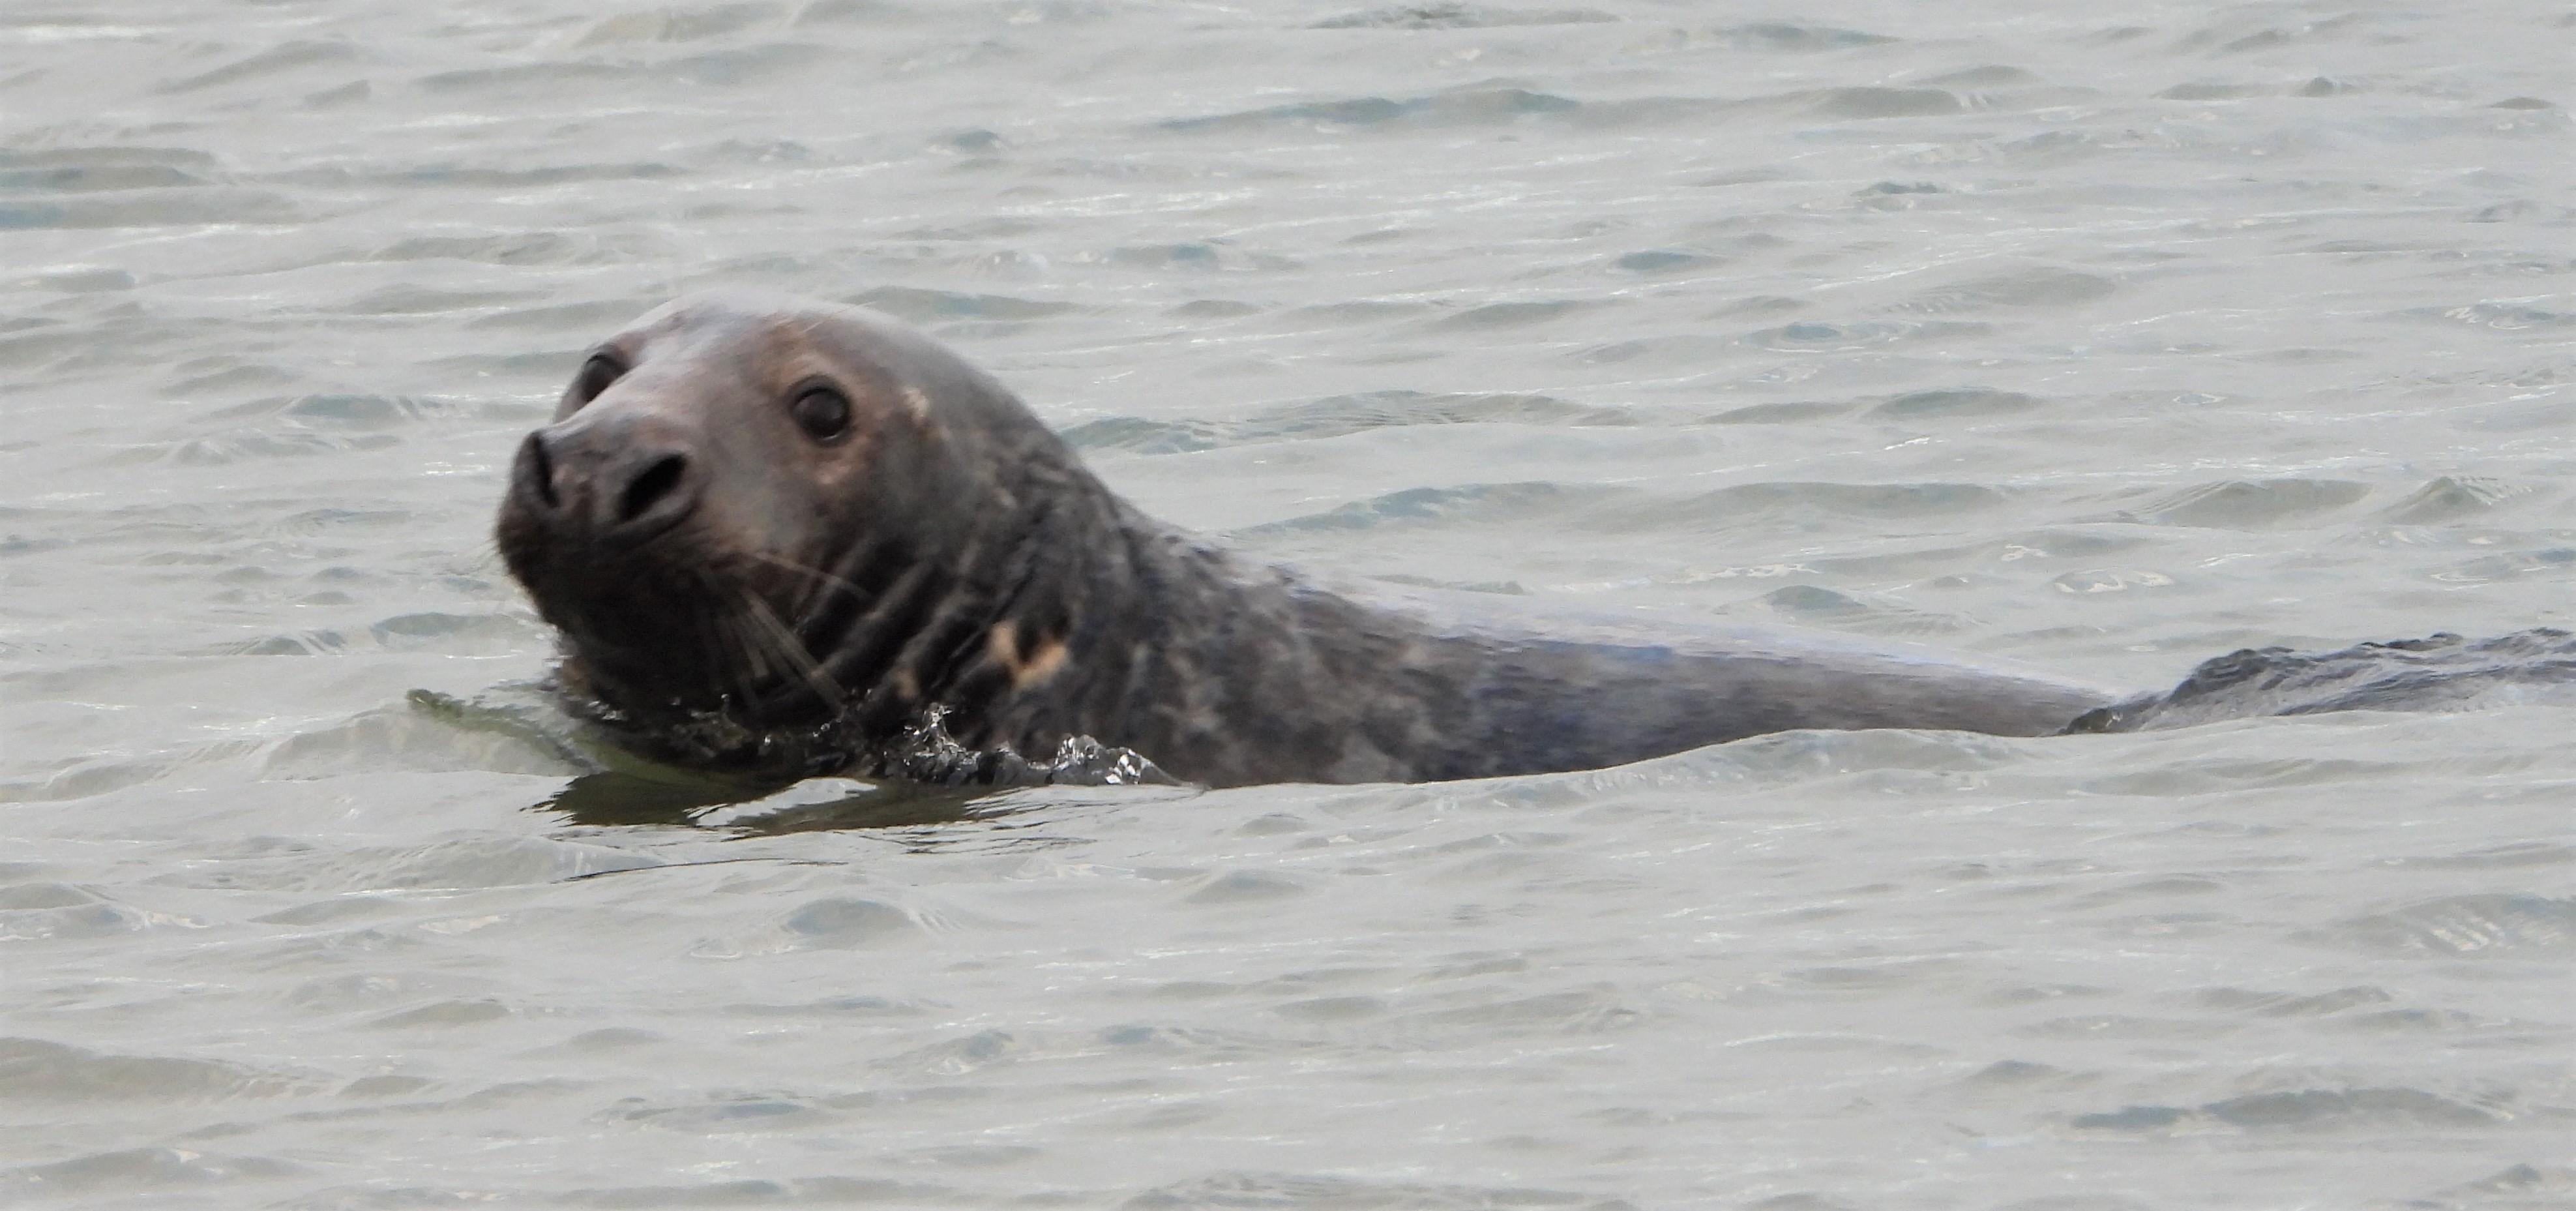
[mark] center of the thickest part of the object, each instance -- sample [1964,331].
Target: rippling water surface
[2106,337]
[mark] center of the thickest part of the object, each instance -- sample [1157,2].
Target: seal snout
[620,489]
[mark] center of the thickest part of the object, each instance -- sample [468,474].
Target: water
[2105,338]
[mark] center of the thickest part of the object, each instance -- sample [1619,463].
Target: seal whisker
[751,666]
[791,649]
[826,578]
[736,662]
[486,558]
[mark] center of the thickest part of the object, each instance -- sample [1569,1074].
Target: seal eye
[596,374]
[822,412]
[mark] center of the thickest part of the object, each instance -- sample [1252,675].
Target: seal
[784,536]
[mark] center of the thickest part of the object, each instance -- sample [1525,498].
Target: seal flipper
[2437,672]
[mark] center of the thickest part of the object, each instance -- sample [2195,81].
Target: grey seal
[783,536]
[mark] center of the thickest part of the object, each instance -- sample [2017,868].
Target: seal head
[750,523]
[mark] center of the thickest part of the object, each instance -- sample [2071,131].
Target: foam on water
[2110,339]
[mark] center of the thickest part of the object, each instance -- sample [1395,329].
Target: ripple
[1811,336]
[957,1056]
[586,319]
[839,922]
[1196,255]
[1799,504]
[456,861]
[1875,101]
[1844,611]
[1691,352]
[802,1191]
[680,23]
[143,1169]
[1958,401]
[19,897]
[2522,853]
[2224,39]
[442,1015]
[2051,149]
[2482,925]
[1792,413]
[83,779]
[21,170]
[834,1007]
[1468,107]
[1369,312]
[459,633]
[2042,286]
[286,57]
[355,993]
[35,1070]
[2109,580]
[154,208]
[1238,1188]
[828,923]
[296,643]
[249,447]
[94,919]
[471,176]
[2215,90]
[2452,498]
[542,78]
[338,411]
[1246,887]
[1461,16]
[2247,504]
[923,306]
[1991,75]
[2282,1004]
[2505,315]
[1789,36]
[2300,1110]
[429,733]
[1337,416]
[1475,503]
[750,65]
[1514,314]
[2549,562]
[2524,1185]
[1666,260]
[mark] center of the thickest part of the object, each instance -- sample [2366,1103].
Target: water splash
[925,752]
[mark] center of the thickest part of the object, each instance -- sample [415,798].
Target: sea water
[2104,337]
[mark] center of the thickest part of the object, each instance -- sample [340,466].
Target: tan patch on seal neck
[1038,664]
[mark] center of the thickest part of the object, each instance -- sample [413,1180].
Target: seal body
[776,533]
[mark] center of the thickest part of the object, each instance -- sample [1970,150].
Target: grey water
[2106,338]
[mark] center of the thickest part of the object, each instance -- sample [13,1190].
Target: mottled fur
[716,571]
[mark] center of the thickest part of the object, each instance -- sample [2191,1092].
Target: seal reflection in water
[795,538]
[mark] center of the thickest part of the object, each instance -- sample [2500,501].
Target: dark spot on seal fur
[779,536]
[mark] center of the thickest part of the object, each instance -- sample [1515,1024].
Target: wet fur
[951,551]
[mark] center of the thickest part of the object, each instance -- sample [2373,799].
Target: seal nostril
[540,471]
[655,483]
